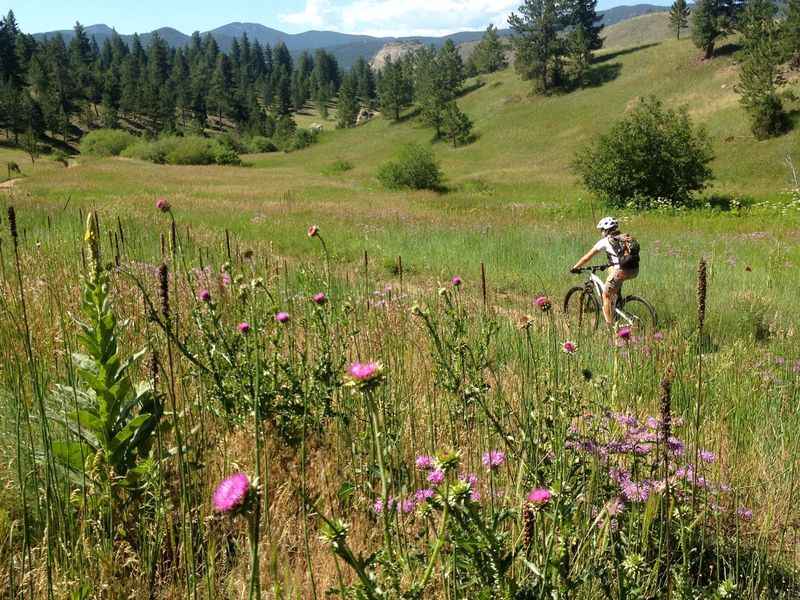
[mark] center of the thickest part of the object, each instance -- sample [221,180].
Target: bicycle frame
[596,285]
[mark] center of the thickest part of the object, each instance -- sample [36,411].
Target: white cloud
[403,17]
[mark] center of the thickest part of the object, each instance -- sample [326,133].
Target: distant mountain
[347,48]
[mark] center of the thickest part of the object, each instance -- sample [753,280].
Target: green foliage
[106,142]
[347,105]
[790,32]
[259,143]
[112,421]
[186,150]
[653,154]
[413,167]
[679,17]
[394,89]
[340,165]
[490,53]
[456,126]
[439,77]
[712,20]
[539,50]
[759,59]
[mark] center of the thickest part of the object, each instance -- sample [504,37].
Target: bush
[259,143]
[302,138]
[189,150]
[768,119]
[652,153]
[414,167]
[339,166]
[106,142]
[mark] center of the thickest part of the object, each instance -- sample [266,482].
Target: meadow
[422,429]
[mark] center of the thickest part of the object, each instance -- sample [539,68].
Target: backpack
[627,249]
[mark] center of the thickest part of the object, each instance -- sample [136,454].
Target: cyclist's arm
[586,258]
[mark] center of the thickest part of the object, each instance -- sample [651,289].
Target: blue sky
[371,17]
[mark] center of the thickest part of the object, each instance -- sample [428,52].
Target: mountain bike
[583,305]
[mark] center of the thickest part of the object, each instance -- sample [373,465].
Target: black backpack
[627,249]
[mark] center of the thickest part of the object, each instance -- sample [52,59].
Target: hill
[347,48]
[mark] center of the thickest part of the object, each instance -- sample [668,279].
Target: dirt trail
[9,183]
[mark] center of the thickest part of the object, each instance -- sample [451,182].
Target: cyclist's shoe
[575,270]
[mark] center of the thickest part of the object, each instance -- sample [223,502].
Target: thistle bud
[92,238]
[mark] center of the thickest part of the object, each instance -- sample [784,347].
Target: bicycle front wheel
[641,313]
[581,309]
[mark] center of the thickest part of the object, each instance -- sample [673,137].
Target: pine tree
[538,49]
[347,106]
[394,89]
[679,17]
[758,67]
[456,126]
[490,52]
[790,32]
[712,21]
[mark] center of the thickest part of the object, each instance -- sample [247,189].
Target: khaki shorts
[616,277]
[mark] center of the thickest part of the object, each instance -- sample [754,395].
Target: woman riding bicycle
[613,244]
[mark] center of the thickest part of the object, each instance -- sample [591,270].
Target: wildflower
[225,279]
[493,459]
[407,506]
[313,231]
[425,462]
[569,347]
[319,298]
[658,335]
[456,280]
[624,333]
[243,327]
[365,372]
[423,494]
[540,496]
[707,456]
[162,205]
[543,302]
[436,477]
[204,295]
[231,492]
[745,513]
[282,317]
[475,497]
[377,506]
[469,478]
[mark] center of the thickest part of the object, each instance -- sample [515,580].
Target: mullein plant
[111,423]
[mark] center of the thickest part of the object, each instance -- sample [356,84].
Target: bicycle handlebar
[593,268]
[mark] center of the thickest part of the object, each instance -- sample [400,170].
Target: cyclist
[611,243]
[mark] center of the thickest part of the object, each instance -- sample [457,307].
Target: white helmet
[608,223]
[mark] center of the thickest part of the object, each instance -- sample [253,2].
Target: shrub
[339,166]
[302,138]
[189,151]
[152,151]
[259,143]
[651,153]
[61,157]
[106,142]
[226,156]
[413,167]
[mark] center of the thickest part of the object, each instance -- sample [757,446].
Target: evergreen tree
[679,17]
[538,49]
[347,106]
[439,77]
[580,54]
[10,65]
[456,126]
[364,81]
[712,21]
[584,13]
[759,59]
[394,89]
[220,96]
[490,53]
[790,32]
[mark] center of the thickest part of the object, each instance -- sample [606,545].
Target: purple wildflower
[423,494]
[493,459]
[456,280]
[231,492]
[162,205]
[540,496]
[282,317]
[425,462]
[707,456]
[243,327]
[436,477]
[624,333]
[204,295]
[569,347]
[407,506]
[319,298]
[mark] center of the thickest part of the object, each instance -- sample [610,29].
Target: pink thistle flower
[162,205]
[225,279]
[436,477]
[456,280]
[282,317]
[543,302]
[231,492]
[540,496]
[469,478]
[569,347]
[204,295]
[624,333]
[658,335]
[745,513]
[493,459]
[707,456]
[313,230]
[475,497]
[425,462]
[423,494]
[377,506]
[243,327]
[319,298]
[364,372]
[407,506]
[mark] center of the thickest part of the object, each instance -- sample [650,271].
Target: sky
[380,18]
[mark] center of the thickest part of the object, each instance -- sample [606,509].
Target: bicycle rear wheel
[641,312]
[581,309]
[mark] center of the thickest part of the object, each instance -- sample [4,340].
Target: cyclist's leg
[610,289]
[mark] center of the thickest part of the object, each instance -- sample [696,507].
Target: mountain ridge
[346,47]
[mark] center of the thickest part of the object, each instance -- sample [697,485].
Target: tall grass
[574,508]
